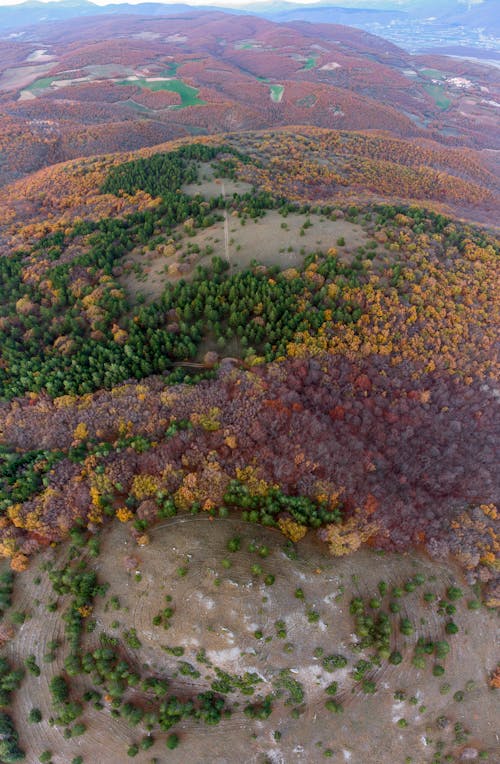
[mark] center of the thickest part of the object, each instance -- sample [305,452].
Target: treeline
[262,313]
[135,696]
[10,679]
[163,174]
[68,327]
[74,331]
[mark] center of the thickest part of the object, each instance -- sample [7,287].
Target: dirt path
[226,228]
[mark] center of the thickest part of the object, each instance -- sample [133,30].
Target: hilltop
[269,247]
[248,418]
[413,25]
[248,394]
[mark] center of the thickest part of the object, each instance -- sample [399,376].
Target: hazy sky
[229,3]
[236,3]
[233,3]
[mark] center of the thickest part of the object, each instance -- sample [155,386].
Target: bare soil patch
[21,76]
[227,617]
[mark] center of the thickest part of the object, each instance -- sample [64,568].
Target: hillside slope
[369,325]
[248,475]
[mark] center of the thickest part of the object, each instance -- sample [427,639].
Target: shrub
[334,706]
[35,716]
[172,741]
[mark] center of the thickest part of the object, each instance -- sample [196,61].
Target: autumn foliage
[370,387]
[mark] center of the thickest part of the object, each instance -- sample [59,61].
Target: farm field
[433,74]
[311,63]
[437,92]
[189,95]
[18,77]
[270,627]
[276,92]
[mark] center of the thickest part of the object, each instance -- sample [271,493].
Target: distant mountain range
[34,12]
[387,18]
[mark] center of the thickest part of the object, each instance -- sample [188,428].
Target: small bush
[172,741]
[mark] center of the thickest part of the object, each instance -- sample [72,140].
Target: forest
[346,401]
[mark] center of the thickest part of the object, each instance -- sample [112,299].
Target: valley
[210,72]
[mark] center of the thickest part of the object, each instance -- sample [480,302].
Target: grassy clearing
[17,77]
[434,74]
[247,45]
[41,84]
[437,92]
[170,71]
[210,185]
[308,101]
[311,63]
[276,92]
[271,240]
[189,95]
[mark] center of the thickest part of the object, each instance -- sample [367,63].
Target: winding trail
[226,227]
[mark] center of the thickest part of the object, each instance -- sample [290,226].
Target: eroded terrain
[247,608]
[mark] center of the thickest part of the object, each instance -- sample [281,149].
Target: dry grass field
[279,614]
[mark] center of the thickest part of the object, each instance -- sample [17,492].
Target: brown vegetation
[358,81]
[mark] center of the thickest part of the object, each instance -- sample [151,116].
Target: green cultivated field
[434,74]
[189,95]
[310,63]
[276,92]
[437,92]
[42,83]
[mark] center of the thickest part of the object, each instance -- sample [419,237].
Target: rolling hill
[122,82]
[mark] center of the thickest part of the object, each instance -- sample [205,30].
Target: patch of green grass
[434,74]
[42,83]
[276,92]
[171,70]
[310,63]
[437,92]
[189,95]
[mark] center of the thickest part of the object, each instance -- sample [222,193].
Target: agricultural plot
[434,74]
[276,92]
[21,76]
[117,74]
[42,84]
[310,63]
[437,92]
[188,95]
[220,641]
